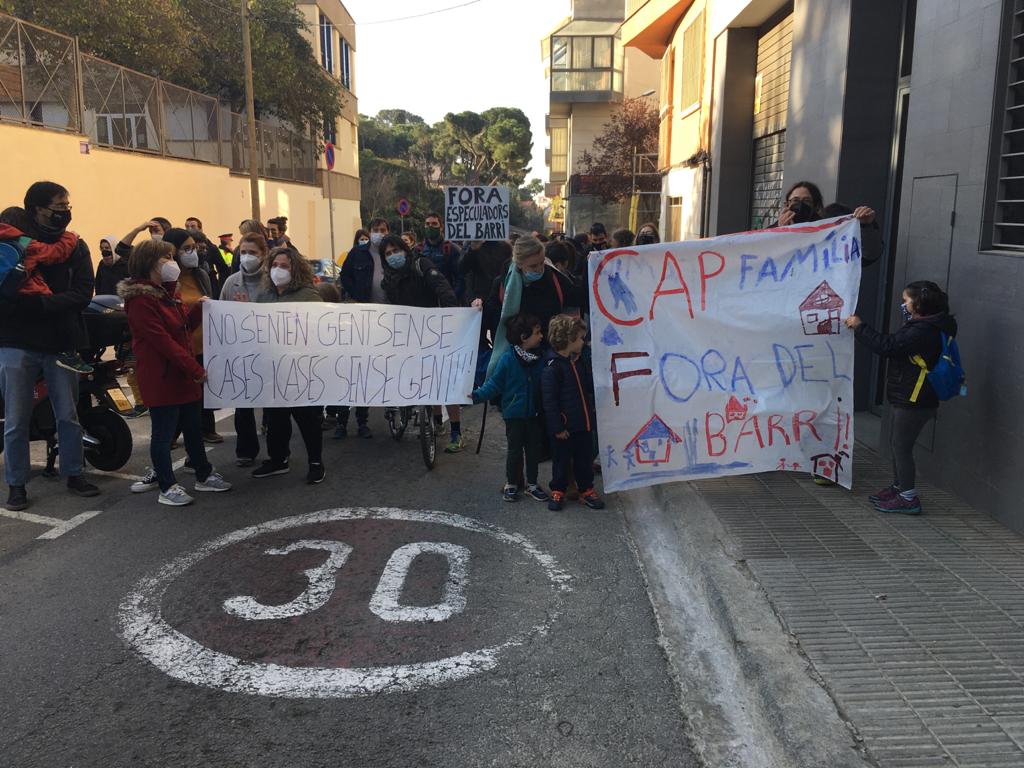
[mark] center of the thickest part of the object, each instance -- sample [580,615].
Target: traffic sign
[404,207]
[329,155]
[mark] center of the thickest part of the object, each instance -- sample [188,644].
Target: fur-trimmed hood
[133,288]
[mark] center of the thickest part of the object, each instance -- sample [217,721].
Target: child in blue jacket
[517,379]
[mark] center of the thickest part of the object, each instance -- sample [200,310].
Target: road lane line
[57,526]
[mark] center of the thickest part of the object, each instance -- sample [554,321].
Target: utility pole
[250,114]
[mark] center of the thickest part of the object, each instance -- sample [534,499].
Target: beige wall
[113,191]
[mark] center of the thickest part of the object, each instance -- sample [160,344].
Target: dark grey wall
[732,124]
[865,156]
[978,445]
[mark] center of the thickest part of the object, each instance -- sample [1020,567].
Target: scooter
[107,438]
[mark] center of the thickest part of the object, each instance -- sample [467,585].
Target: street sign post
[404,208]
[329,159]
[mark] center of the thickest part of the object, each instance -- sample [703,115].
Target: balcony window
[346,64]
[585,63]
[326,44]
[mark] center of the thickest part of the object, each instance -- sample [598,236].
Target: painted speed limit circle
[384,589]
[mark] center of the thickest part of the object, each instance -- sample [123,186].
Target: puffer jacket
[417,284]
[161,326]
[568,392]
[920,336]
[518,383]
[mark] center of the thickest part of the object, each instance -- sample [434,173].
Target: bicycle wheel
[428,437]
[397,422]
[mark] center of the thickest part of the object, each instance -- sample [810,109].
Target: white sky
[473,58]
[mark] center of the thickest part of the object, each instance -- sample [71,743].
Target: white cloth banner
[726,356]
[299,354]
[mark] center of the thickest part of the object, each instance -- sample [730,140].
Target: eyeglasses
[808,200]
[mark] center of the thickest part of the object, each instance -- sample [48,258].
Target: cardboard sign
[476,213]
[726,356]
[299,354]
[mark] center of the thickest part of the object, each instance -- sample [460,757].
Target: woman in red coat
[170,377]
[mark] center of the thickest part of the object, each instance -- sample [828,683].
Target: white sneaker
[175,496]
[147,483]
[214,483]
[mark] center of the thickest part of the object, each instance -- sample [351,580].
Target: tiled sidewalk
[915,624]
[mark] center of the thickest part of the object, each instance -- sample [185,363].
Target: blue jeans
[20,369]
[165,420]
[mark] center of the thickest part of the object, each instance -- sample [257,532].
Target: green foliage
[401,156]
[197,45]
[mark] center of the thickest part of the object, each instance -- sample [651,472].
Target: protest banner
[299,354]
[476,213]
[726,356]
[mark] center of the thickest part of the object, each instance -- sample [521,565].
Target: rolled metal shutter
[771,100]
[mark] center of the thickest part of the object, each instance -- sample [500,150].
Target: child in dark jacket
[568,387]
[517,379]
[912,351]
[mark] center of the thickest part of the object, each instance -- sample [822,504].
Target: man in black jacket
[32,334]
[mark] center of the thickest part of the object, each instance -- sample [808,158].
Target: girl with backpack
[913,350]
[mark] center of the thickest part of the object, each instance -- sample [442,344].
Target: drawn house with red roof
[653,443]
[821,312]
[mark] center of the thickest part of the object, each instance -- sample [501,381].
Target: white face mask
[250,262]
[158,238]
[280,276]
[169,272]
[189,259]
[376,238]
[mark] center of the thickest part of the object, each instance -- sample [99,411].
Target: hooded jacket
[518,383]
[417,284]
[42,323]
[568,390]
[919,336]
[161,326]
[241,282]
[107,278]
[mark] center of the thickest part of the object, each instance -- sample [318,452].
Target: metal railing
[45,81]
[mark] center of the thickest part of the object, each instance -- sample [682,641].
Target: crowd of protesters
[534,358]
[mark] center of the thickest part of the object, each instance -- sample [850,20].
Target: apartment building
[589,73]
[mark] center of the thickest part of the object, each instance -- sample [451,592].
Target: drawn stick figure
[629,460]
[611,457]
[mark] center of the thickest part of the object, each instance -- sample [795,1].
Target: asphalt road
[388,617]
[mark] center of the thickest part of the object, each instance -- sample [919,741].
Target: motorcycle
[107,438]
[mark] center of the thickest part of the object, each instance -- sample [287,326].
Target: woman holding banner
[804,203]
[288,277]
[247,285]
[414,281]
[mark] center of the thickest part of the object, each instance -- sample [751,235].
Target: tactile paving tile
[916,624]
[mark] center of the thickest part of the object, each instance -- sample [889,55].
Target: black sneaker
[268,468]
[365,432]
[244,461]
[79,486]
[72,361]
[316,474]
[17,499]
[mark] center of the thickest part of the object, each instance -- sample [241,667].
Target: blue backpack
[947,377]
[12,266]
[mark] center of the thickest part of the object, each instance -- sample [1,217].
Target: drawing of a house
[653,443]
[735,410]
[821,312]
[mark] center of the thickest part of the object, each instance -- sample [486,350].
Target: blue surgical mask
[532,277]
[905,312]
[395,260]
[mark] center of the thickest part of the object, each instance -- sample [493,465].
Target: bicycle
[400,417]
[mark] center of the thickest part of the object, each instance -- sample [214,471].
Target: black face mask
[52,230]
[645,240]
[802,212]
[107,254]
